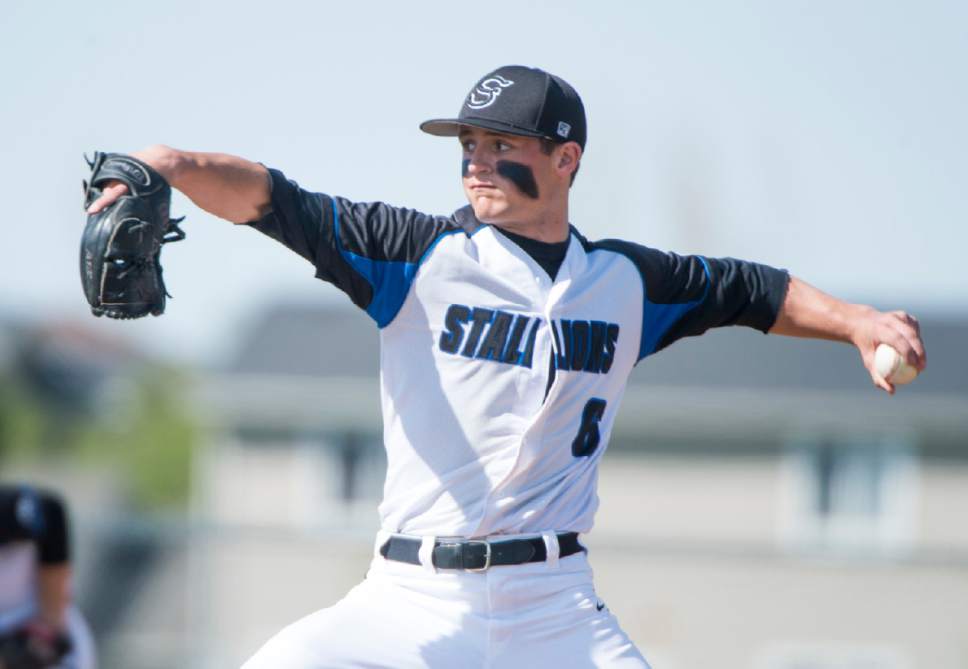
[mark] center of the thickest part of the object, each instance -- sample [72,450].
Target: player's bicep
[375,252]
[368,250]
[717,292]
[295,217]
[675,287]
[684,296]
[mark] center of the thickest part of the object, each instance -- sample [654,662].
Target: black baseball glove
[121,244]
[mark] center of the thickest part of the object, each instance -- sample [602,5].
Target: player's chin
[489,209]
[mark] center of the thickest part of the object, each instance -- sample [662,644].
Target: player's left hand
[895,328]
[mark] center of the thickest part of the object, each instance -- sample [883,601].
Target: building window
[849,494]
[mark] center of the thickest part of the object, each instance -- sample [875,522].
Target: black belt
[479,554]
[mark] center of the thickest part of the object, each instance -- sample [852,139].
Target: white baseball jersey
[472,330]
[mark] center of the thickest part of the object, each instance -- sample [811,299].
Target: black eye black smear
[464,166]
[520,175]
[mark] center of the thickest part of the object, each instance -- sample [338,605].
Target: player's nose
[477,162]
[475,165]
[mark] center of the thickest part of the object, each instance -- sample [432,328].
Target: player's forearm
[224,185]
[809,312]
[54,594]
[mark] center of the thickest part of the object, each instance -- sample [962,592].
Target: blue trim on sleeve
[390,279]
[657,319]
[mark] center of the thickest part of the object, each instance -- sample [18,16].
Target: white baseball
[892,367]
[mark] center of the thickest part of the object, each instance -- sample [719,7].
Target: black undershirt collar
[549,255]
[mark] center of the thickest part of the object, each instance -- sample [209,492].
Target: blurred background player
[39,627]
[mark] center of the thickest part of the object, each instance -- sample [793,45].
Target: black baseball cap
[519,100]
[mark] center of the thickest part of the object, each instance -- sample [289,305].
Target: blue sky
[825,137]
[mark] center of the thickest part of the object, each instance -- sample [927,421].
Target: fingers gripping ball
[121,244]
[892,367]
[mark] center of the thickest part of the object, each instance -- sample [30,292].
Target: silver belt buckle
[487,554]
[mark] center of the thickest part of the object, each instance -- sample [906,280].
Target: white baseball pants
[533,615]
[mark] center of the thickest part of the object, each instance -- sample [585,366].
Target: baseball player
[38,625]
[507,339]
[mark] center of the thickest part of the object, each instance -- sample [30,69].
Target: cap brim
[450,127]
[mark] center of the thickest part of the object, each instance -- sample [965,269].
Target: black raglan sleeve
[687,295]
[370,251]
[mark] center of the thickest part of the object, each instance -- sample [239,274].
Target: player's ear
[569,154]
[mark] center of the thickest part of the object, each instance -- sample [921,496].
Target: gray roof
[314,341]
[304,340]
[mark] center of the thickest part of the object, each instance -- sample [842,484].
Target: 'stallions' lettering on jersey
[493,334]
[489,334]
[584,346]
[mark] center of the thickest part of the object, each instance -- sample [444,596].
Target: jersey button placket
[555,296]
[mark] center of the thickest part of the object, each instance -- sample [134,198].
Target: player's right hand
[897,329]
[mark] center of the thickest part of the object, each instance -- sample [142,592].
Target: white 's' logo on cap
[487,91]
[564,129]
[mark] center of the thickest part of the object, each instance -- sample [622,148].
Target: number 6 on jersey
[586,441]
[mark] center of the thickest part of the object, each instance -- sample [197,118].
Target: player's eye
[502,146]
